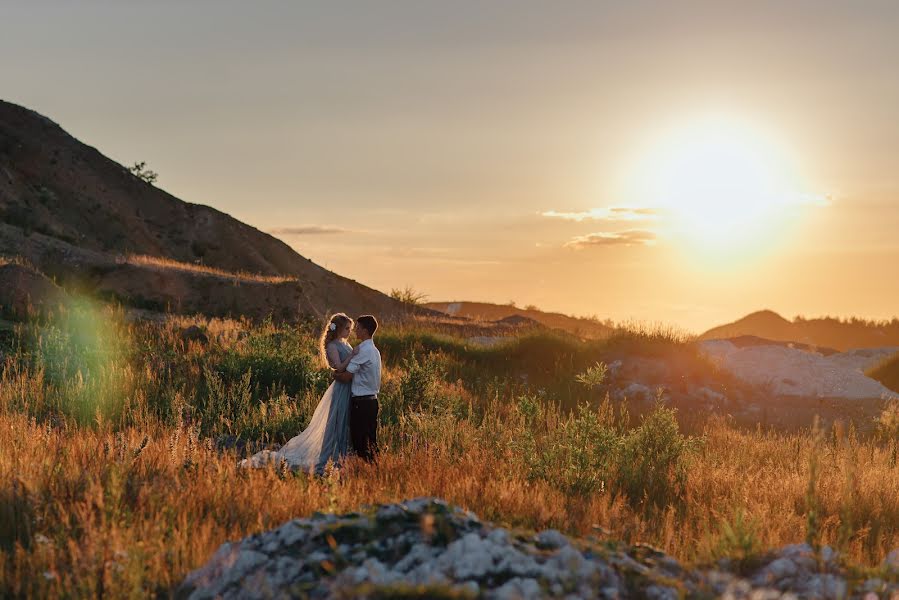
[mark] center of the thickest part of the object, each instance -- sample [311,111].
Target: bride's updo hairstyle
[332,329]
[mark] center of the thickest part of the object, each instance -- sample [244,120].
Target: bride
[326,439]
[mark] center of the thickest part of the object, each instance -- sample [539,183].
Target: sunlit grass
[159,262]
[112,480]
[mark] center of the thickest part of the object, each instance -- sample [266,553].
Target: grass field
[113,481]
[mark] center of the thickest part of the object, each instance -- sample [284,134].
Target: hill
[78,216]
[485,311]
[886,372]
[828,332]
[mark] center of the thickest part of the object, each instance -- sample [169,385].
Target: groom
[364,371]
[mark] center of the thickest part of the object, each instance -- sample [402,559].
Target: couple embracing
[347,415]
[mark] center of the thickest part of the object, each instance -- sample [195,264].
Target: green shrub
[594,376]
[229,408]
[279,359]
[652,463]
[576,455]
[736,538]
[418,386]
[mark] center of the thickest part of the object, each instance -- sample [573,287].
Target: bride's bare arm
[334,359]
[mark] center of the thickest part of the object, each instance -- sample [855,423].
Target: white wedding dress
[326,439]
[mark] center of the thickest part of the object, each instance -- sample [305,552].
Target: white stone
[519,589]
[891,562]
[498,536]
[551,538]
[780,568]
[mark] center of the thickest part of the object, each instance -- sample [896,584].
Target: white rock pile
[425,548]
[794,372]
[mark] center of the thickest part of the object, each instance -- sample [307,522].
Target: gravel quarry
[790,371]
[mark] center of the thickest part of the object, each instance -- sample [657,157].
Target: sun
[722,186]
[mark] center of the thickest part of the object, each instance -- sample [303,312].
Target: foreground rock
[426,548]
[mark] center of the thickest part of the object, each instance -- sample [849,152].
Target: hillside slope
[823,332]
[74,213]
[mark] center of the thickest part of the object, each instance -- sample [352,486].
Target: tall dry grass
[90,512]
[111,482]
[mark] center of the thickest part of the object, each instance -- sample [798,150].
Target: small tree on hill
[408,296]
[140,170]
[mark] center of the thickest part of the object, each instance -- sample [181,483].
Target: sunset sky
[684,162]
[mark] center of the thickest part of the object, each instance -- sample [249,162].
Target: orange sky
[417,143]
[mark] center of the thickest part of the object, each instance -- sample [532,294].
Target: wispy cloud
[308,230]
[614,213]
[630,237]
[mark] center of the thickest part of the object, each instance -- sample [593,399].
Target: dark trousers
[364,426]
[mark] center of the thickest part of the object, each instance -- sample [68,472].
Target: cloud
[308,230]
[630,237]
[614,213]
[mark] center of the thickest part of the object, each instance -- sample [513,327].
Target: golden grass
[159,262]
[15,260]
[94,511]
[127,505]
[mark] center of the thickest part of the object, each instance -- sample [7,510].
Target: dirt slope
[71,212]
[24,291]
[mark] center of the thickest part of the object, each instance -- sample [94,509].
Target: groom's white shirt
[366,370]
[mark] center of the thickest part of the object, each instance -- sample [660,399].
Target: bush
[140,170]
[577,455]
[652,464]
[594,376]
[408,296]
[279,360]
[420,381]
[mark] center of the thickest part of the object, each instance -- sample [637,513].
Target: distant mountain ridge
[74,213]
[485,311]
[826,332]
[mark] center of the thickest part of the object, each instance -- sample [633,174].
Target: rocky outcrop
[426,548]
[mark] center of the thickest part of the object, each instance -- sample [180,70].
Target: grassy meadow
[119,445]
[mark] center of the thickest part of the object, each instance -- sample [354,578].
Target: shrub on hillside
[140,170]
[653,460]
[408,296]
